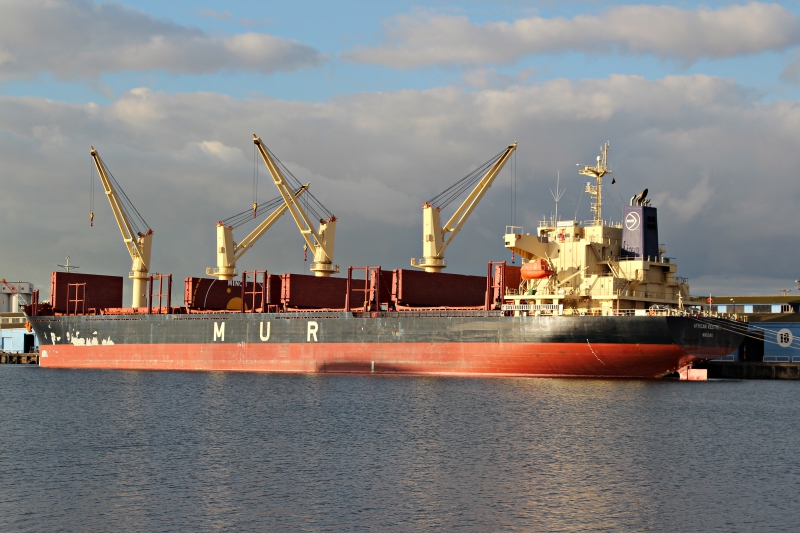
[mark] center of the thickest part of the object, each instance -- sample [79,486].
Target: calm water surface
[171,451]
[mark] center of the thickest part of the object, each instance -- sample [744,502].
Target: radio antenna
[557,194]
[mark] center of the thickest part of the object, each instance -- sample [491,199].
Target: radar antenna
[68,267]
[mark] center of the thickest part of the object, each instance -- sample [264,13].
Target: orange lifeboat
[536,269]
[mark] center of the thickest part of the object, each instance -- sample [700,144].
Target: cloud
[484,78]
[226,16]
[428,39]
[79,39]
[218,15]
[255,23]
[219,150]
[689,206]
[791,74]
[720,163]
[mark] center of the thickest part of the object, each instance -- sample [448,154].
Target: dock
[19,358]
[751,370]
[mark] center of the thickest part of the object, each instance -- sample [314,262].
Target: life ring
[571,292]
[652,312]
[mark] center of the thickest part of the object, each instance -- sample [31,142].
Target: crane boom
[320,242]
[138,243]
[14,291]
[433,233]
[229,252]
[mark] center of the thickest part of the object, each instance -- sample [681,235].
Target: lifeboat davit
[536,269]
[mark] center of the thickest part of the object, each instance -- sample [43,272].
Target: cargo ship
[590,299]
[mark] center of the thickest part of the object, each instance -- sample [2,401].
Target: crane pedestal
[429,263]
[222,273]
[323,266]
[140,268]
[139,288]
[324,270]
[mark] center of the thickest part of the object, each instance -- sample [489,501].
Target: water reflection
[145,451]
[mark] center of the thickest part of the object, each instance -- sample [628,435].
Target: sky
[381,106]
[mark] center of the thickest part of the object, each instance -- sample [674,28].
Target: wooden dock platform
[19,358]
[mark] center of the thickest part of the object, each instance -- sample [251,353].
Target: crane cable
[312,204]
[255,183]
[239,219]
[513,175]
[444,198]
[125,203]
[91,193]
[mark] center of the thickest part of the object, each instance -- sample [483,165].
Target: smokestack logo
[632,221]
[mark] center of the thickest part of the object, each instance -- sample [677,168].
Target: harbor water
[194,451]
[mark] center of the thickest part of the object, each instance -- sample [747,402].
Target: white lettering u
[261,331]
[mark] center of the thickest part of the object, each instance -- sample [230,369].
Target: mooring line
[594,354]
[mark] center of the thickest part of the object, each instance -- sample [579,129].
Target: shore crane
[228,251]
[322,241]
[15,292]
[138,239]
[433,233]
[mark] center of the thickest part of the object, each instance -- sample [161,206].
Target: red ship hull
[557,359]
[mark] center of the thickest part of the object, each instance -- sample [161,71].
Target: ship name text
[264,331]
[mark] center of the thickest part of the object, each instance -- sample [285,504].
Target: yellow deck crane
[228,251]
[433,233]
[135,231]
[321,242]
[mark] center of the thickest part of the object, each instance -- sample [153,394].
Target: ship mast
[597,172]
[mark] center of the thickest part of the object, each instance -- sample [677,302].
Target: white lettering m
[219,331]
